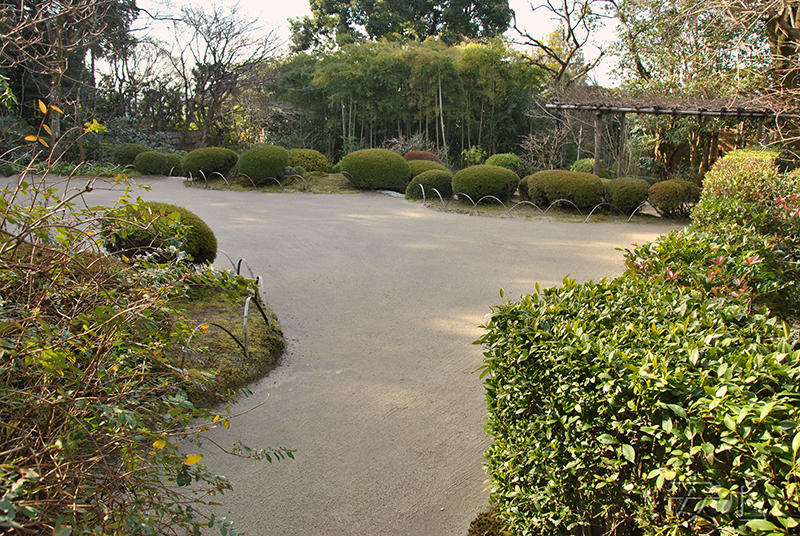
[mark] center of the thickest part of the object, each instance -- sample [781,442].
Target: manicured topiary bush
[627,193]
[546,187]
[441,179]
[263,162]
[309,159]
[674,197]
[174,168]
[151,163]
[419,166]
[422,155]
[125,153]
[482,180]
[129,231]
[586,165]
[209,160]
[377,169]
[508,161]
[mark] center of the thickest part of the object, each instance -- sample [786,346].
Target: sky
[276,13]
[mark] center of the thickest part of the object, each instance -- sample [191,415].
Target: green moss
[125,153]
[420,166]
[546,187]
[209,160]
[674,197]
[150,163]
[441,179]
[377,169]
[482,180]
[309,159]
[174,168]
[586,165]
[263,162]
[627,193]
[508,161]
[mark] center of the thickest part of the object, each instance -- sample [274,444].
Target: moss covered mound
[586,165]
[263,162]
[129,232]
[482,180]
[420,166]
[377,169]
[544,188]
[209,160]
[125,153]
[150,163]
[174,168]
[627,193]
[674,197]
[440,179]
[309,159]
[508,161]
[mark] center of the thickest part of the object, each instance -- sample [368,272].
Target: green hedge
[441,179]
[420,166]
[125,153]
[608,400]
[263,162]
[627,193]
[482,180]
[151,163]
[174,168]
[546,187]
[130,232]
[508,161]
[674,197]
[309,159]
[377,169]
[209,160]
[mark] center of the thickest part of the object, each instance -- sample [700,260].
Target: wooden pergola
[600,110]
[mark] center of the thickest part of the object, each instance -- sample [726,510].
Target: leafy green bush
[125,153]
[508,161]
[607,400]
[546,187]
[174,168]
[130,231]
[482,180]
[420,166]
[586,165]
[441,179]
[209,160]
[263,162]
[674,197]
[627,193]
[151,163]
[309,159]
[377,169]
[422,155]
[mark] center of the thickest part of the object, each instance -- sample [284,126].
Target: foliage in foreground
[99,434]
[664,402]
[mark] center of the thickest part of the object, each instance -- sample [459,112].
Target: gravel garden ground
[380,300]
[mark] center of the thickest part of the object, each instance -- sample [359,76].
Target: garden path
[379,300]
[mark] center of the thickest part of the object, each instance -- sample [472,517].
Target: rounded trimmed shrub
[586,165]
[674,197]
[546,187]
[482,180]
[140,238]
[174,168]
[508,161]
[627,193]
[420,166]
[309,160]
[209,160]
[377,169]
[263,161]
[441,179]
[151,163]
[125,153]
[422,155]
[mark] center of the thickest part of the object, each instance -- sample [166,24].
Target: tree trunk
[598,141]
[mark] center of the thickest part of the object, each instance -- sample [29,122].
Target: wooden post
[598,140]
[623,142]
